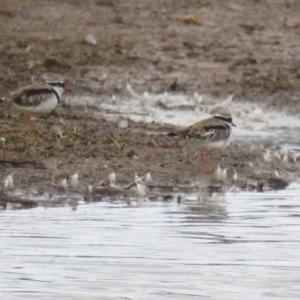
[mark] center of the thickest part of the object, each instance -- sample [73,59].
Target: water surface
[243,245]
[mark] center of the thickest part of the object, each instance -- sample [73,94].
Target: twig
[16,162]
[115,142]
[133,183]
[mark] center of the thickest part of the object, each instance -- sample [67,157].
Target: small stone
[123,123]
[278,183]
[90,38]
[2,140]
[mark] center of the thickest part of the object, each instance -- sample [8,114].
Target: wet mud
[74,141]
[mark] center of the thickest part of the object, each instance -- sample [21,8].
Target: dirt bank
[249,48]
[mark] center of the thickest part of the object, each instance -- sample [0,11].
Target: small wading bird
[211,133]
[37,98]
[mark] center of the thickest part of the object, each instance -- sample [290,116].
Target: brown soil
[246,47]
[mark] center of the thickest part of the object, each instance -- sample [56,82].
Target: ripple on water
[242,245]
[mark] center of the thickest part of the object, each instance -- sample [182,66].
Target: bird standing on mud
[37,98]
[211,133]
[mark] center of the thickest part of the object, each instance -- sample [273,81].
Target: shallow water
[232,246]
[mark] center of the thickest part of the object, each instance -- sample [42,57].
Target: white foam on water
[183,110]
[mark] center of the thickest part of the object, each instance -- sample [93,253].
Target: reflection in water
[237,246]
[212,210]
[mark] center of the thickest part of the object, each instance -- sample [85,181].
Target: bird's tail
[4,100]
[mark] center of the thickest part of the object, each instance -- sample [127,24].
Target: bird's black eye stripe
[211,128]
[56,83]
[228,120]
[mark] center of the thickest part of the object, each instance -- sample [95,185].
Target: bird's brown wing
[209,129]
[31,95]
[178,131]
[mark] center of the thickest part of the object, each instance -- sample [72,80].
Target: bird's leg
[208,161]
[52,179]
[32,125]
[201,158]
[203,162]
[29,122]
[206,167]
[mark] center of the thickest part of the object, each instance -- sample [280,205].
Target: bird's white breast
[210,145]
[44,107]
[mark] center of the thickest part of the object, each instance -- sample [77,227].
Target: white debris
[90,38]
[251,164]
[124,123]
[130,90]
[63,183]
[276,174]
[285,159]
[227,101]
[148,177]
[218,173]
[240,113]
[284,151]
[141,190]
[197,98]
[2,140]
[257,172]
[224,175]
[277,155]
[222,107]
[252,148]
[267,157]
[235,177]
[146,96]
[112,177]
[257,115]
[74,181]
[89,189]
[8,182]
[136,177]
[146,100]
[57,130]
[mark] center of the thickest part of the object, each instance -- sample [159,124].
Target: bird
[37,98]
[211,133]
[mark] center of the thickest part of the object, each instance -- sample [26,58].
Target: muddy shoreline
[73,141]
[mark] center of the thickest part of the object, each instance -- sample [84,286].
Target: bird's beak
[66,89]
[233,124]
